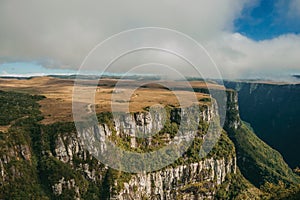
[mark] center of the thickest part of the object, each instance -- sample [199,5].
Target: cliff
[273,114]
[258,162]
[52,162]
[60,165]
[189,181]
[188,178]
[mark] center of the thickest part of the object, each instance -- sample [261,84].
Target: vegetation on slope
[14,106]
[32,174]
[18,163]
[273,112]
[263,166]
[258,161]
[39,173]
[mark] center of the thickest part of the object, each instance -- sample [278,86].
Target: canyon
[43,157]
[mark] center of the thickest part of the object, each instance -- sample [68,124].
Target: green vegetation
[261,165]
[297,171]
[273,112]
[281,191]
[106,118]
[199,188]
[21,180]
[111,177]
[238,188]
[28,151]
[224,148]
[31,169]
[258,162]
[14,106]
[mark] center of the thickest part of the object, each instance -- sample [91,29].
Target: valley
[273,110]
[43,156]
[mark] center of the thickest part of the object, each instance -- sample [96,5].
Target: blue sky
[267,19]
[30,68]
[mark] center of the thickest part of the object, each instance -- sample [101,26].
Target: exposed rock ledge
[179,182]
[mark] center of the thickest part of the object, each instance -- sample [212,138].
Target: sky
[245,38]
[268,19]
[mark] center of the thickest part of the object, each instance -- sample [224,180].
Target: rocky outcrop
[66,185]
[52,162]
[8,171]
[181,182]
[133,125]
[77,172]
[141,124]
[232,120]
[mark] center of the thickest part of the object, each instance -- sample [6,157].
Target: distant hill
[296,76]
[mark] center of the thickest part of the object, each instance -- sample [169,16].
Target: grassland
[57,106]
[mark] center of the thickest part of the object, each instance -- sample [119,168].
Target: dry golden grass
[142,98]
[4,128]
[57,107]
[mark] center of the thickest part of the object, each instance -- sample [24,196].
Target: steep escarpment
[52,161]
[273,112]
[197,180]
[18,164]
[55,164]
[191,176]
[258,162]
[184,179]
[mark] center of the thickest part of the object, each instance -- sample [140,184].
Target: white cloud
[64,31]
[67,30]
[240,56]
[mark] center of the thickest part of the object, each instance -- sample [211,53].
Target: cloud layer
[61,33]
[242,57]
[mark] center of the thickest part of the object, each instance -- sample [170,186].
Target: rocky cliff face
[18,152]
[197,180]
[51,161]
[189,180]
[67,169]
[181,182]
[273,112]
[232,120]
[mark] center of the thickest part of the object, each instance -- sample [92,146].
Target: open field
[57,107]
